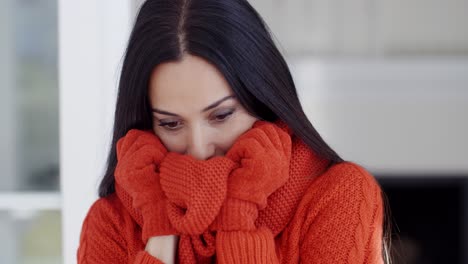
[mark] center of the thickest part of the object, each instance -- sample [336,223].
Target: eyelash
[225,115]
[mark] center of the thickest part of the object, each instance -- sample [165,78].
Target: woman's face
[195,111]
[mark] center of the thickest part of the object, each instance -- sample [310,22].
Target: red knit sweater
[338,218]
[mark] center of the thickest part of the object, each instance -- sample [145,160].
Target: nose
[199,144]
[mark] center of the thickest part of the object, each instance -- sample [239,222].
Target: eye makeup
[218,118]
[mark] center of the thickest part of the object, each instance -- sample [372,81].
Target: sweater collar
[304,168]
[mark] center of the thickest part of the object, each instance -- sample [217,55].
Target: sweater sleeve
[345,224]
[256,246]
[101,239]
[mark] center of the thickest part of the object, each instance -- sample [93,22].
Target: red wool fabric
[318,214]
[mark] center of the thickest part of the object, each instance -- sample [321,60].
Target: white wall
[401,115]
[368,27]
[92,38]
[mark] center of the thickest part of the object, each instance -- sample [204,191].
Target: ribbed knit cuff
[156,222]
[143,257]
[246,247]
[236,215]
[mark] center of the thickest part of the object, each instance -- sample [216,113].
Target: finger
[156,154]
[285,140]
[124,143]
[271,132]
[137,160]
[280,137]
[261,136]
[139,138]
[128,142]
[245,147]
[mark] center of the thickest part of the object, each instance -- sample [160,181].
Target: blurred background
[385,82]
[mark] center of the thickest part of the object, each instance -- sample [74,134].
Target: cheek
[173,143]
[234,131]
[221,138]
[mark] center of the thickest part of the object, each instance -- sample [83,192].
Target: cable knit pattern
[320,215]
[339,220]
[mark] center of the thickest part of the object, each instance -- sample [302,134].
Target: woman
[213,158]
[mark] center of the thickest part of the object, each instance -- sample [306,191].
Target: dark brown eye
[223,117]
[169,125]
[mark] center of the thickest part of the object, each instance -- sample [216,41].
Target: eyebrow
[211,106]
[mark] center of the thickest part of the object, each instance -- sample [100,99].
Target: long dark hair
[232,36]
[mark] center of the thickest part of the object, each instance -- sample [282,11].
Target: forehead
[191,82]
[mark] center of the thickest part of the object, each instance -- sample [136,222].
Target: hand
[195,189]
[138,155]
[163,248]
[263,154]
